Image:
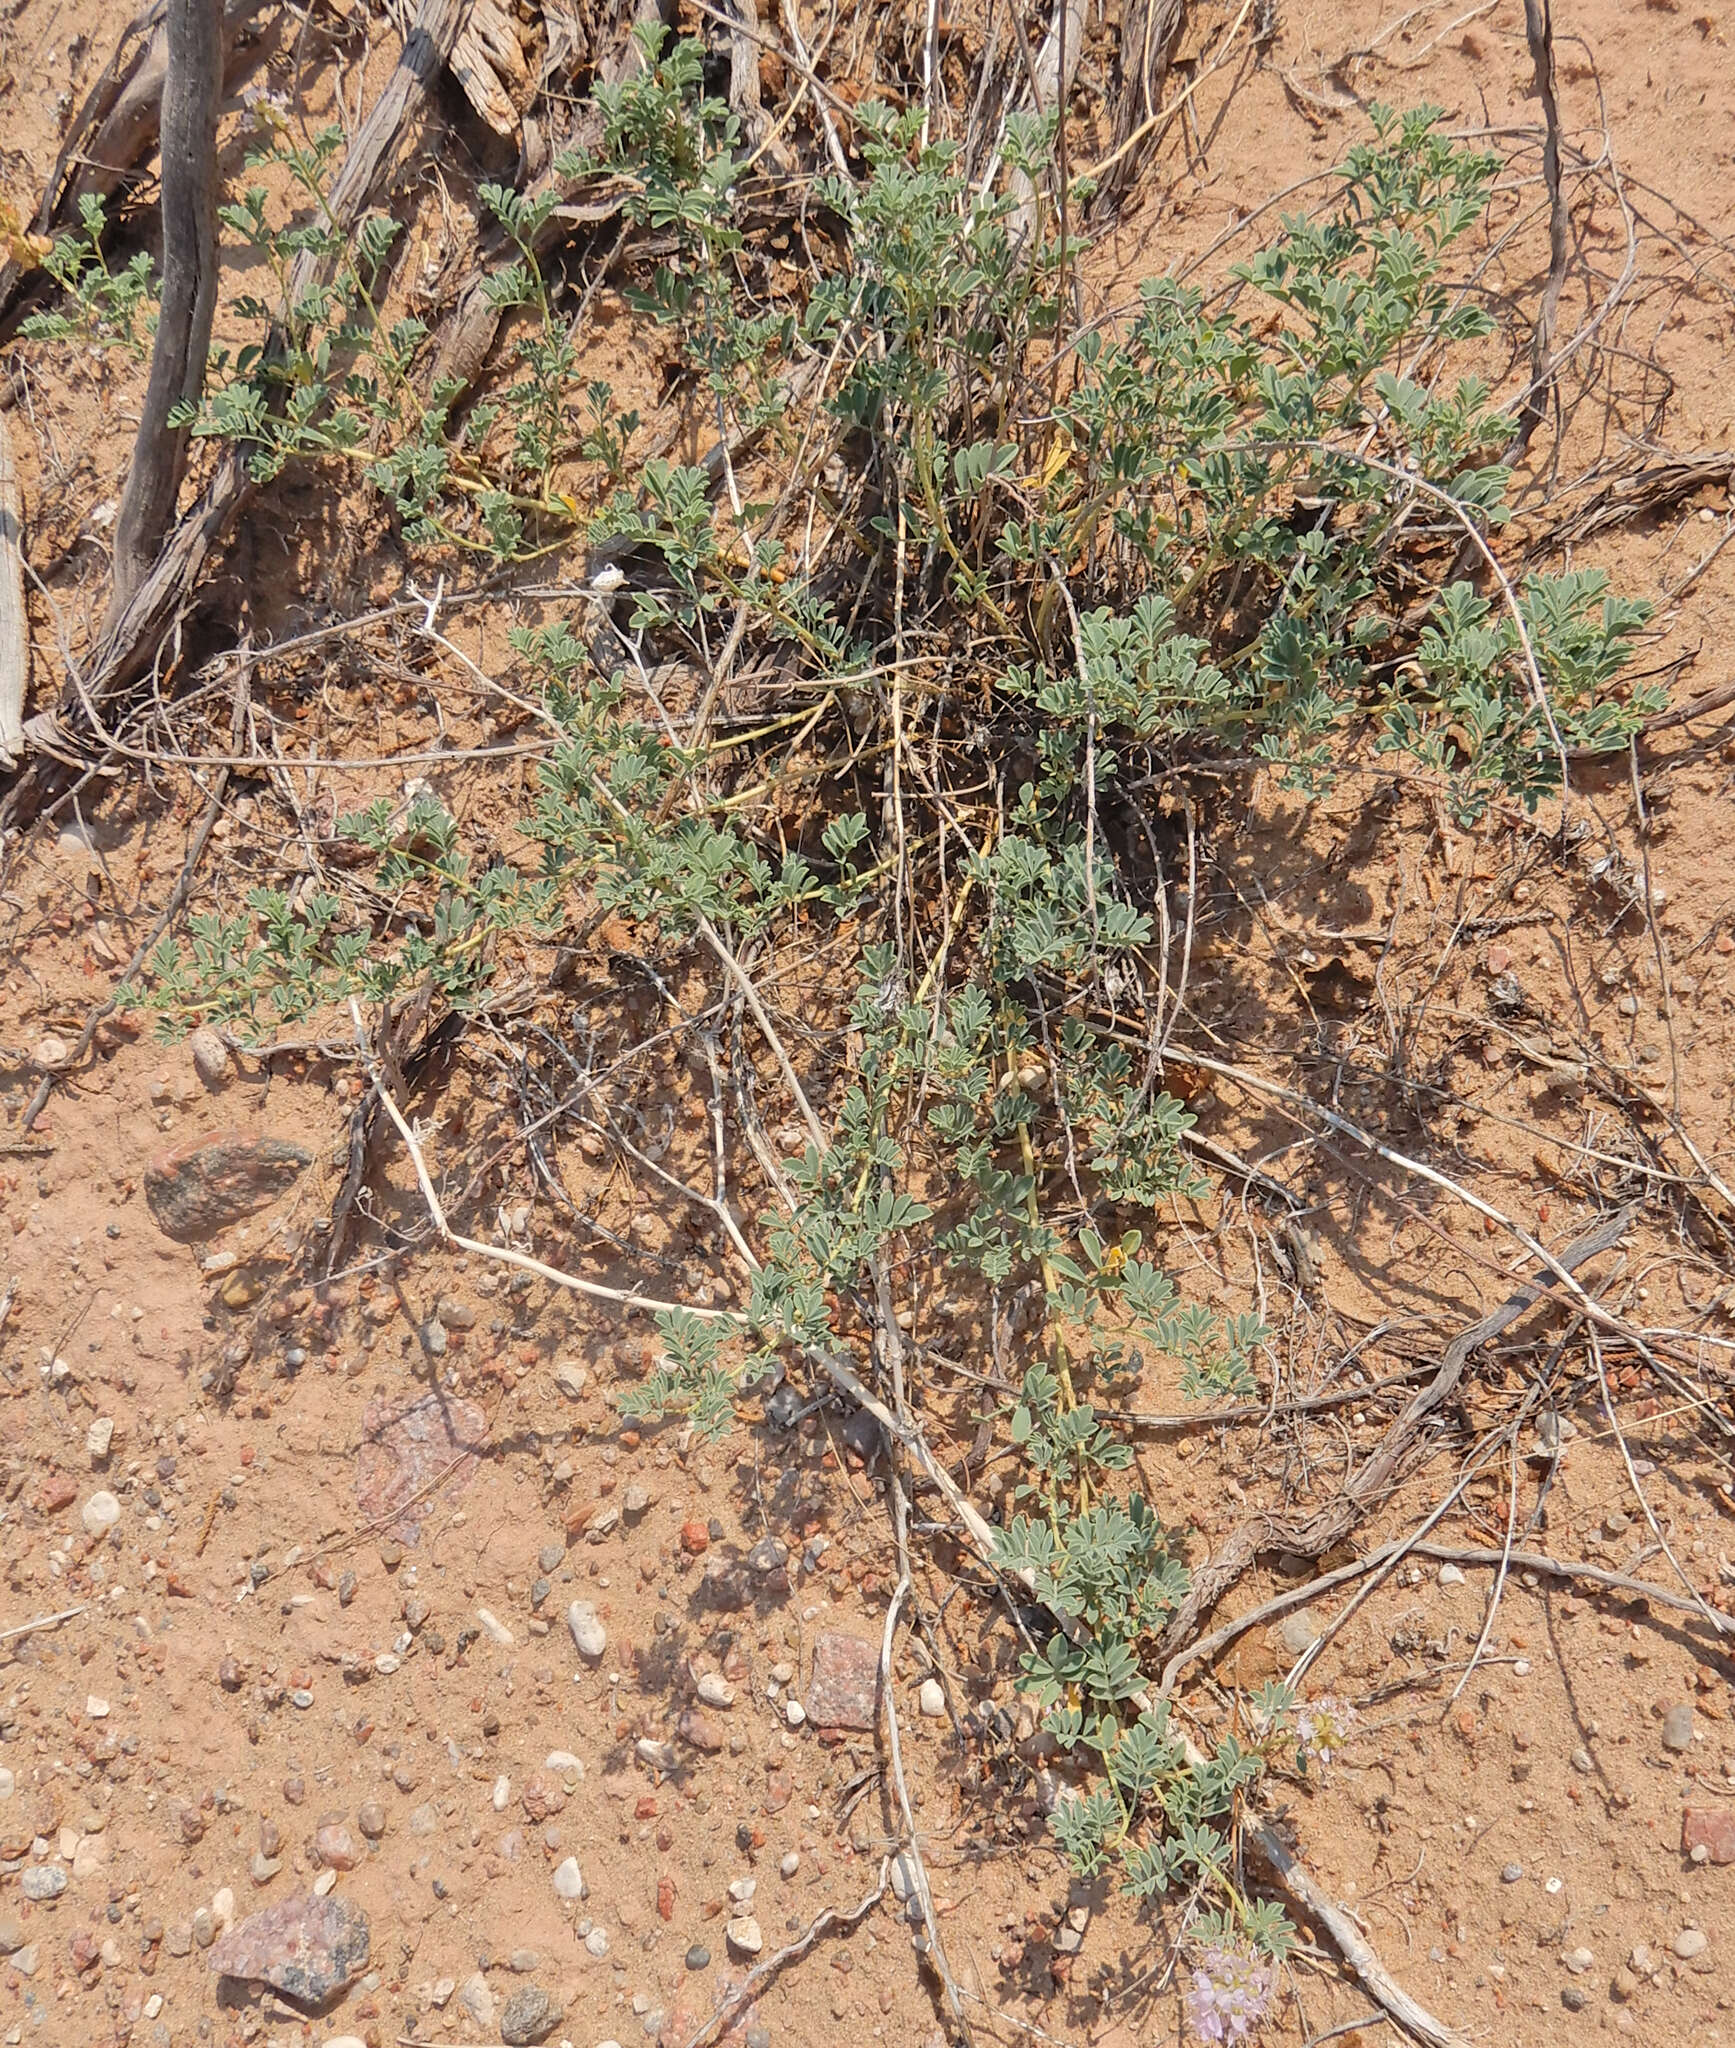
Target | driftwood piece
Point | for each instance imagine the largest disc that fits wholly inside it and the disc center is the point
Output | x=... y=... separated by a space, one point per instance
x=1147 y=43
x=1052 y=72
x=488 y=63
x=132 y=636
x=189 y=301
x=1644 y=493
x=474 y=321
x=14 y=633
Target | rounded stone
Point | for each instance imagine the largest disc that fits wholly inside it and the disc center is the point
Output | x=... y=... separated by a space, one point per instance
x=568 y=1879
x=589 y=1636
x=1690 y=1942
x=698 y=1957
x=99 y=1514
x=528 y=2015
x=1511 y=1873
x=210 y=1057
x=370 y=1817
x=932 y=1700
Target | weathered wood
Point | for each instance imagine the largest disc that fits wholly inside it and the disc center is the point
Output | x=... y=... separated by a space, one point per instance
x=14 y=631
x=132 y=636
x=1147 y=42
x=469 y=331
x=189 y=302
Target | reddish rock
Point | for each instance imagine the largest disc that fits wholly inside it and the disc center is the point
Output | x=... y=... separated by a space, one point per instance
x=307 y=1948
x=55 y=1494
x=701 y=1731
x=201 y=1185
x=695 y=1538
x=85 y=1950
x=414 y=1458
x=336 y=1848
x=844 y=1689
x=544 y=1795
x=1710 y=1827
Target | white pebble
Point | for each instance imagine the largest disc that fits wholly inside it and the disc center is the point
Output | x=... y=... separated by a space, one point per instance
x=563 y=1761
x=99 y=1514
x=715 y=1690
x=790 y=1864
x=745 y=1937
x=323 y=1883
x=932 y=1699
x=223 y=1905
x=96 y=1708
x=589 y=1636
x=502 y=1794
x=98 y=1437
x=495 y=1629
x=7 y=1783
x=1450 y=1575
x=569 y=1879
x=794 y=1713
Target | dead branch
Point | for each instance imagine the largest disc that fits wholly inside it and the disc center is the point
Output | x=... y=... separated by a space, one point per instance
x=189 y=300
x=14 y=627
x=831 y=1921
x=1149 y=29
x=1539 y=28
x=133 y=635
x=1330 y=1524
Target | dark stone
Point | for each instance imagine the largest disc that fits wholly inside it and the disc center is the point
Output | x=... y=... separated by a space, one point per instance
x=698 y=1957
x=203 y=1184
x=305 y=1947
x=528 y=2015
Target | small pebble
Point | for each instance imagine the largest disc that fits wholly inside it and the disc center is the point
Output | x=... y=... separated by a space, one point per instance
x=790 y=1864
x=495 y=1629
x=1690 y=1942
x=744 y=1936
x=589 y=1636
x=1511 y=1873
x=932 y=1700
x=1579 y=1960
x=99 y=1514
x=698 y=1957
x=1450 y=1575
x=210 y=1057
x=568 y=1880
x=1678 y=1728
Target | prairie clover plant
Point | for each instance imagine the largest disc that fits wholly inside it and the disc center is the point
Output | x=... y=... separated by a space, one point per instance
x=1057 y=565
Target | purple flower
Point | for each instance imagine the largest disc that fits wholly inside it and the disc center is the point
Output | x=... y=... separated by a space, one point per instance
x=1322 y=1727
x=1230 y=1996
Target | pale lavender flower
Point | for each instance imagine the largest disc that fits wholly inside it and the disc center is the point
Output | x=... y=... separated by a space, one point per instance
x=1322 y=1727
x=1230 y=1996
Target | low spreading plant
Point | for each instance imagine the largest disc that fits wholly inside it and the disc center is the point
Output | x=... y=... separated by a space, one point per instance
x=1046 y=570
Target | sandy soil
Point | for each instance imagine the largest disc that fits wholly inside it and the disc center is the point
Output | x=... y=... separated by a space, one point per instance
x=272 y=1667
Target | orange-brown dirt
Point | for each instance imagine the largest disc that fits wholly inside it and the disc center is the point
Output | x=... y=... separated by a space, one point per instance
x=254 y=1652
